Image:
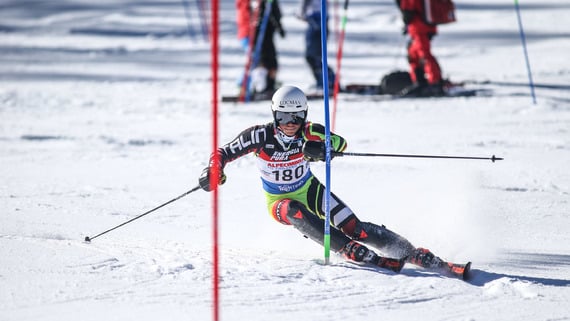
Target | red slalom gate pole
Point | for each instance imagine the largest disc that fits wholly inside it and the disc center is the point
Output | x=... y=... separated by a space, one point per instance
x=215 y=174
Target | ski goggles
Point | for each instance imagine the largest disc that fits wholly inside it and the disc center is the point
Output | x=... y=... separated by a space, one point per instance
x=284 y=118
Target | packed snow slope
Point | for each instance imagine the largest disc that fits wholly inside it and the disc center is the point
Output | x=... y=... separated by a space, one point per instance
x=105 y=113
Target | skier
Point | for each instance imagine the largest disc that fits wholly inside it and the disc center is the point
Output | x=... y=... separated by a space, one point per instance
x=265 y=73
x=284 y=148
x=425 y=71
x=311 y=14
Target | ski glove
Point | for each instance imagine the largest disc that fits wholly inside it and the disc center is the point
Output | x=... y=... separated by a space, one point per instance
x=204 y=179
x=314 y=151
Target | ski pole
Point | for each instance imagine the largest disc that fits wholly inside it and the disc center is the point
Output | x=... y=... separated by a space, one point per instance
x=88 y=239
x=492 y=158
x=191 y=31
x=523 y=40
x=203 y=19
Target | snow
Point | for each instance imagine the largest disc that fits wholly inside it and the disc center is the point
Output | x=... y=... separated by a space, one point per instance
x=105 y=114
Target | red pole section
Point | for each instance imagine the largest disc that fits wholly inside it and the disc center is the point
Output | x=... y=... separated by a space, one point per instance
x=215 y=174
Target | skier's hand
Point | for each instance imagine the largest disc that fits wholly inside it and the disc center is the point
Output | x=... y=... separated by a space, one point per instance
x=314 y=151
x=404 y=30
x=282 y=32
x=204 y=179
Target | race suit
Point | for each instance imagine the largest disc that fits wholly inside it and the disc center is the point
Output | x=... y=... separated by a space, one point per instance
x=296 y=197
x=285 y=173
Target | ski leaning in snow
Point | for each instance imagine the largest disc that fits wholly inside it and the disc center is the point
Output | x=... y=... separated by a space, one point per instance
x=265 y=97
x=426 y=259
x=376 y=90
x=461 y=271
x=423 y=258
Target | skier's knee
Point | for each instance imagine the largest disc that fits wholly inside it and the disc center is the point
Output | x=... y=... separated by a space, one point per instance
x=355 y=229
x=286 y=209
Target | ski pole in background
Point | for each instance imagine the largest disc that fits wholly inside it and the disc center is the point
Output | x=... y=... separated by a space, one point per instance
x=88 y=239
x=523 y=40
x=492 y=158
x=203 y=19
x=189 y=27
x=338 y=62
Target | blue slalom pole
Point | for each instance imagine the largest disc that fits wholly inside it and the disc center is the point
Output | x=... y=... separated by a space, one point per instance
x=523 y=40
x=324 y=69
x=258 y=43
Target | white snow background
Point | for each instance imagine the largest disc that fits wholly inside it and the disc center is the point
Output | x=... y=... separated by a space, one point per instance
x=105 y=113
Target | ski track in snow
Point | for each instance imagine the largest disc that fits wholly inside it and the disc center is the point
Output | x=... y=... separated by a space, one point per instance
x=104 y=114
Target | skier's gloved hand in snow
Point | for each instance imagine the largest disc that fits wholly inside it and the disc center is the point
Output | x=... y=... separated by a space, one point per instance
x=204 y=179
x=314 y=151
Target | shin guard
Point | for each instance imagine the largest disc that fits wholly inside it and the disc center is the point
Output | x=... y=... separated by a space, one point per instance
x=383 y=239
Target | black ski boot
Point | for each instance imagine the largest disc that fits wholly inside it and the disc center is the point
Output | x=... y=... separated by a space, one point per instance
x=359 y=253
x=426 y=259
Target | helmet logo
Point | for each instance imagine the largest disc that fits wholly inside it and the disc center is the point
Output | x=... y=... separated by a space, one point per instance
x=290 y=102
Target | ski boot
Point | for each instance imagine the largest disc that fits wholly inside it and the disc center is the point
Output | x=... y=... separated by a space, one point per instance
x=359 y=253
x=426 y=259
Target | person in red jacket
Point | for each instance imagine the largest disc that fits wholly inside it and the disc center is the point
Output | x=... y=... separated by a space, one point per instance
x=425 y=71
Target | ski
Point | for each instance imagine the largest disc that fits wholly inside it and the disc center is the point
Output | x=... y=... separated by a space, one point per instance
x=375 y=91
x=264 y=97
x=461 y=271
x=362 y=89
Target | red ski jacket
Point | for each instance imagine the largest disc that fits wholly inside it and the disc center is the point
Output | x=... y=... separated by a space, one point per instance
x=413 y=13
x=243 y=18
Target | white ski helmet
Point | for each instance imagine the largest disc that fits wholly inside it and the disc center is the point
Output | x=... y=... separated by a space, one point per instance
x=289 y=100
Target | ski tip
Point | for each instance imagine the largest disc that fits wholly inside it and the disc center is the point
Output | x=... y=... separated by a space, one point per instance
x=467 y=272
